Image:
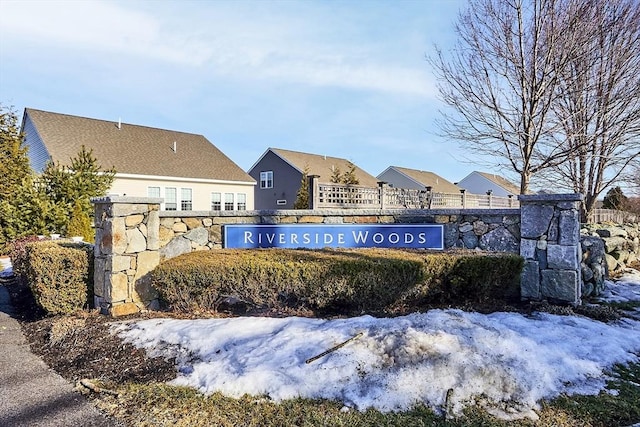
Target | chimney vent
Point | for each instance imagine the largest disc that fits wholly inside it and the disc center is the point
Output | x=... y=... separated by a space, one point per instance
x=119 y=123
x=175 y=146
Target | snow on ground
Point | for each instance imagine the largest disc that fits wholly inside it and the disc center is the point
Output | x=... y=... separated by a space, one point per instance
x=445 y=359
x=5 y=267
x=506 y=362
x=624 y=289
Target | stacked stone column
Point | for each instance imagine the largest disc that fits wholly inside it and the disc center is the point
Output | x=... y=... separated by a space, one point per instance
x=550 y=245
x=126 y=250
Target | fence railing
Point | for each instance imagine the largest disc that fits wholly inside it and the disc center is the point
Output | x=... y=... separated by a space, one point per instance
x=611 y=215
x=331 y=195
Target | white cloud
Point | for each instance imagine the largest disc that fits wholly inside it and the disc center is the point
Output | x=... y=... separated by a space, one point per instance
x=225 y=39
x=97 y=26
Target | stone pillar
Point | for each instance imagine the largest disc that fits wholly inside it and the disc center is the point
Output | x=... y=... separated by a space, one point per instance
x=550 y=245
x=126 y=250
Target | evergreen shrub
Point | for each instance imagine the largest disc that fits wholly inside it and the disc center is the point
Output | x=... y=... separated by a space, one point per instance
x=80 y=224
x=18 y=255
x=349 y=280
x=59 y=275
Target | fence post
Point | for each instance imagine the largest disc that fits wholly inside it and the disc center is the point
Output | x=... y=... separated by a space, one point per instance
x=464 y=198
x=489 y=193
x=314 y=196
x=381 y=193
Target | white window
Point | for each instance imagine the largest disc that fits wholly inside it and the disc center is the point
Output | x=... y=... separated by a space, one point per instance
x=153 y=191
x=242 y=201
x=186 y=199
x=228 y=201
x=266 y=179
x=170 y=199
x=216 y=201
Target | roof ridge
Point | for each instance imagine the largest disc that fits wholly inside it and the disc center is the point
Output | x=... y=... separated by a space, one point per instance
x=110 y=121
x=311 y=154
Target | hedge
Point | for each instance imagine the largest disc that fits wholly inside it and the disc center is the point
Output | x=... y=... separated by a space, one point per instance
x=361 y=280
x=59 y=275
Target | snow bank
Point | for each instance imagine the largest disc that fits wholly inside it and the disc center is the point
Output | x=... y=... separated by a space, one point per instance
x=624 y=289
x=445 y=359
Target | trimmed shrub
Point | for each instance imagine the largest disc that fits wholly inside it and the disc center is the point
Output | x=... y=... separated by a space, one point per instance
x=359 y=280
x=470 y=277
x=18 y=255
x=58 y=275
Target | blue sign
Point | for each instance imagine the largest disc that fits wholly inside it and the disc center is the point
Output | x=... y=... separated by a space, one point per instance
x=318 y=236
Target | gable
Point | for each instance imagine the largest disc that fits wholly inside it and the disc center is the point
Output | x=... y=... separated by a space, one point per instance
x=479 y=182
x=501 y=182
x=322 y=166
x=133 y=149
x=422 y=179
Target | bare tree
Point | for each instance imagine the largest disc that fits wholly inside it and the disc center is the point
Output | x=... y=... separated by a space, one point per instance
x=501 y=79
x=598 y=106
x=634 y=178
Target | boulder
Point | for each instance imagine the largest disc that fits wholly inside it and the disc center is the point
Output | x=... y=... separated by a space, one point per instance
x=612 y=232
x=198 y=235
x=614 y=243
x=500 y=240
x=175 y=247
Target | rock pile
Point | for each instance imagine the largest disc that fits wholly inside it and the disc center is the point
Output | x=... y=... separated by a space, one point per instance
x=606 y=249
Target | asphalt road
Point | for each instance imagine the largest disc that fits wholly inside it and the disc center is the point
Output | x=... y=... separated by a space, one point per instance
x=31 y=394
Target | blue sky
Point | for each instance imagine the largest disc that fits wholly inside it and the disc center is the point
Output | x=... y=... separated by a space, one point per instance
x=340 y=78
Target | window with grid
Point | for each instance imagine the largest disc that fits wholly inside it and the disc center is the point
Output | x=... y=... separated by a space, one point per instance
x=170 y=199
x=153 y=191
x=228 y=201
x=216 y=201
x=242 y=202
x=186 y=199
x=266 y=179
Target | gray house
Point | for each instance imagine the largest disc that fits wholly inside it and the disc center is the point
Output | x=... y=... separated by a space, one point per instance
x=279 y=175
x=483 y=182
x=398 y=177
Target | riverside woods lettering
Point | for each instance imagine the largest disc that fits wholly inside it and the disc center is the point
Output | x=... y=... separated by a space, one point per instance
x=318 y=236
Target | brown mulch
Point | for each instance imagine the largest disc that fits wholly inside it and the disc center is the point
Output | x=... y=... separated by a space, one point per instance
x=82 y=346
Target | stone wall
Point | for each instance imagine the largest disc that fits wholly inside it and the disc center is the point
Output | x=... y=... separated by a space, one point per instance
x=486 y=229
x=133 y=236
x=126 y=250
x=621 y=243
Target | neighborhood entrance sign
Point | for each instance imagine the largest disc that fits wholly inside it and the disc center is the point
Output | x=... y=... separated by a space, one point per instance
x=318 y=236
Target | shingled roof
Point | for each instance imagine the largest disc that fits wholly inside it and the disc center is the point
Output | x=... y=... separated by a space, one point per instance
x=428 y=179
x=133 y=149
x=501 y=181
x=322 y=166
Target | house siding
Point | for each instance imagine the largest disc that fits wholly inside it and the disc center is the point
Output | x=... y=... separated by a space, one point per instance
x=201 y=192
x=286 y=183
x=398 y=180
x=477 y=184
x=38 y=154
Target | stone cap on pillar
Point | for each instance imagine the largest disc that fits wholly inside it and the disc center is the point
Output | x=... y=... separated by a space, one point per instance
x=571 y=197
x=126 y=199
